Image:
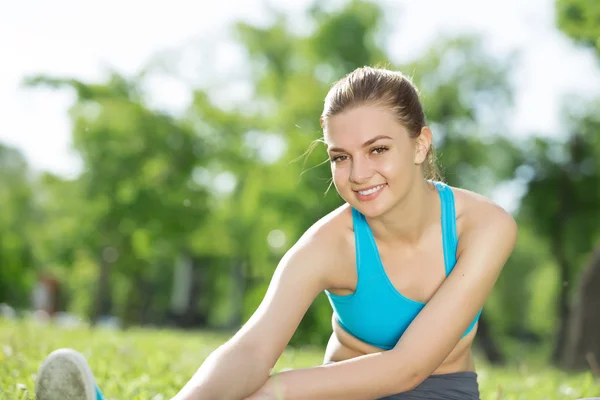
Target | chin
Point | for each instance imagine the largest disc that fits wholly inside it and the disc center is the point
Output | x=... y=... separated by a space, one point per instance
x=372 y=209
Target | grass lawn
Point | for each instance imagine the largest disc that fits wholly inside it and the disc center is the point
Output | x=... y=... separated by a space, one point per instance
x=154 y=364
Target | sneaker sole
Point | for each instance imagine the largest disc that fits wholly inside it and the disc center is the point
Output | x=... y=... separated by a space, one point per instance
x=65 y=375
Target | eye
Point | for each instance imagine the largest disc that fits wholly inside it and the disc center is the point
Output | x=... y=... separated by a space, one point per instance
x=379 y=150
x=338 y=158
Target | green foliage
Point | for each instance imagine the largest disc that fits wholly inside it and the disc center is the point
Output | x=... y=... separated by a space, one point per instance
x=16 y=222
x=561 y=201
x=580 y=19
x=136 y=201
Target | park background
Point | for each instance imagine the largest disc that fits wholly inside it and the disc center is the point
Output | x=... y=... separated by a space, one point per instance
x=153 y=171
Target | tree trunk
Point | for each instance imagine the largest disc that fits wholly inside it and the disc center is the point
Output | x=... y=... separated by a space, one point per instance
x=190 y=316
x=583 y=347
x=202 y=302
x=181 y=289
x=487 y=343
x=147 y=290
x=238 y=290
x=102 y=304
x=559 y=252
x=563 y=313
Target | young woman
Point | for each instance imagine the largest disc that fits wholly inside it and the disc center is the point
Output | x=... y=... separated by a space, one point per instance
x=407 y=263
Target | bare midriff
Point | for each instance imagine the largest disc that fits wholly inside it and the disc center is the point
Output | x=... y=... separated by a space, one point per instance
x=343 y=346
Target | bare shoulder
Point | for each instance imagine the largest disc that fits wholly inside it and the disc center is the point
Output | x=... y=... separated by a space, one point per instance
x=328 y=230
x=478 y=215
x=323 y=243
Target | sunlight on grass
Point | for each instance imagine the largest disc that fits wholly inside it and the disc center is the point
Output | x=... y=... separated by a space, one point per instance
x=154 y=364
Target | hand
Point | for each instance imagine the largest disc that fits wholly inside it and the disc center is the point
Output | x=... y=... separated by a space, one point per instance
x=271 y=390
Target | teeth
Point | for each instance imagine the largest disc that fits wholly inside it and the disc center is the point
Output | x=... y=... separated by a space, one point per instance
x=373 y=190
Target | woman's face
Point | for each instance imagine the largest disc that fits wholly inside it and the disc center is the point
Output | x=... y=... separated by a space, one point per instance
x=374 y=162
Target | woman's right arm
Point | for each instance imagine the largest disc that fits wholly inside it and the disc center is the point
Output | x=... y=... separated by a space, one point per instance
x=242 y=365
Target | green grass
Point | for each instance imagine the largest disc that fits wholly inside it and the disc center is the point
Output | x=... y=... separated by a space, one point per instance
x=154 y=364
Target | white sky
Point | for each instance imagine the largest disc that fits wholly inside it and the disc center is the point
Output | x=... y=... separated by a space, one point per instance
x=75 y=38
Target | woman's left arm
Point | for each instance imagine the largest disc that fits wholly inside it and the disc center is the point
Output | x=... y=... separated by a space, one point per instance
x=487 y=241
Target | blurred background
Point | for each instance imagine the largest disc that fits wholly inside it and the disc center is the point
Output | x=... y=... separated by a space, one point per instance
x=152 y=168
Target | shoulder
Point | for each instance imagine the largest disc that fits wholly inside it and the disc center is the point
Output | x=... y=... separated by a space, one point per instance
x=329 y=230
x=481 y=220
x=323 y=245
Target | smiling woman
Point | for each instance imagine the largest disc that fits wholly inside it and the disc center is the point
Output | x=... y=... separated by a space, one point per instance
x=407 y=264
x=337 y=156
x=374 y=124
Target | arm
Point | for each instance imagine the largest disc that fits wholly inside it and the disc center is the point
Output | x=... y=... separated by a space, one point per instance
x=486 y=244
x=242 y=365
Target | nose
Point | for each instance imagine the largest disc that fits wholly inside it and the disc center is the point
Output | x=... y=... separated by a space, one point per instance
x=360 y=170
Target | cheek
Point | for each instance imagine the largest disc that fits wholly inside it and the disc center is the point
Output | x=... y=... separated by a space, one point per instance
x=339 y=176
x=392 y=166
x=397 y=169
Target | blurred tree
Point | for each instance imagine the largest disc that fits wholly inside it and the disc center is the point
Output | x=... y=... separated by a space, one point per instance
x=574 y=172
x=16 y=221
x=580 y=20
x=137 y=186
x=62 y=227
x=235 y=173
x=582 y=350
x=561 y=203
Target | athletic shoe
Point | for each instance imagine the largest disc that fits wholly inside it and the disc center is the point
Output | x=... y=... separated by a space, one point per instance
x=66 y=375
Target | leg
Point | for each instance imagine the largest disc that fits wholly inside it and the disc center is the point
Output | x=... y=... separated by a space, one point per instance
x=66 y=375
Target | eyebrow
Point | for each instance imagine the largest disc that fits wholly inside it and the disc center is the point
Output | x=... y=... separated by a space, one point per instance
x=365 y=144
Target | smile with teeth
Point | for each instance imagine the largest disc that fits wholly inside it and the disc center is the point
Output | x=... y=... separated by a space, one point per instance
x=371 y=191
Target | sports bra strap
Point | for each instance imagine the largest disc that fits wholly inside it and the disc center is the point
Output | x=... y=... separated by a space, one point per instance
x=365 y=248
x=449 y=235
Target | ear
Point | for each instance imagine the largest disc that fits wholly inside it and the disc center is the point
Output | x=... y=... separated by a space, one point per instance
x=422 y=145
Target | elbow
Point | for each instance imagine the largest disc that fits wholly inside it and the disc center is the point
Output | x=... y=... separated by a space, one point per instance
x=415 y=380
x=406 y=380
x=401 y=374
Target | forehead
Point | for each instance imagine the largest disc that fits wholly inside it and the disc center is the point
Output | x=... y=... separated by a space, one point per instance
x=353 y=127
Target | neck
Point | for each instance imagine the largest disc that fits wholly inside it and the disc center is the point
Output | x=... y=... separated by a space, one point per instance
x=410 y=218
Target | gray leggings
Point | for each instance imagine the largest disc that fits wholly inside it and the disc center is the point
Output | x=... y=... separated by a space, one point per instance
x=453 y=386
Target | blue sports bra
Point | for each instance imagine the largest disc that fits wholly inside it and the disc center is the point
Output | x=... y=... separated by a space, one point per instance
x=376 y=313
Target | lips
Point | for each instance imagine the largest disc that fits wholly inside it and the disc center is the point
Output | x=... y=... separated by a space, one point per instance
x=369 y=193
x=370 y=189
